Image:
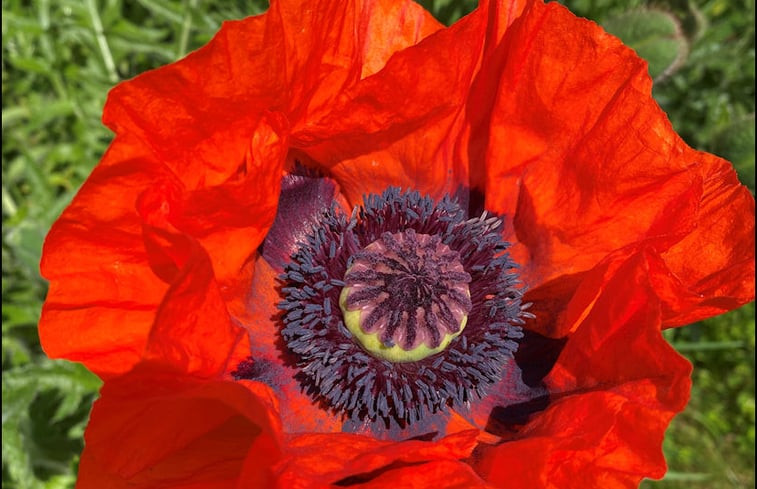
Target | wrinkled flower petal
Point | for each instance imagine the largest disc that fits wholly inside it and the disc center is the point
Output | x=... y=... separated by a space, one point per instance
x=355 y=460
x=615 y=387
x=157 y=284
x=205 y=428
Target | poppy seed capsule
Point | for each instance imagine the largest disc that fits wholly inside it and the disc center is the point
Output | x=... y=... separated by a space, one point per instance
x=406 y=297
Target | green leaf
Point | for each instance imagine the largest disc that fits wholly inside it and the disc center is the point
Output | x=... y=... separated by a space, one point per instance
x=34 y=65
x=44 y=404
x=683 y=346
x=655 y=36
x=687 y=476
x=15 y=351
x=163 y=8
x=16 y=450
x=735 y=142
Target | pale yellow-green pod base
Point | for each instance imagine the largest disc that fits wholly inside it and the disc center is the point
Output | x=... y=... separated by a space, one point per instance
x=373 y=345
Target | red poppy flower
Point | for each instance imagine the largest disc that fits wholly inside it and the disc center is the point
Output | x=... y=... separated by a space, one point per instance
x=203 y=267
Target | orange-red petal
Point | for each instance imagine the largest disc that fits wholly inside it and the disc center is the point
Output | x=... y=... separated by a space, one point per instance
x=615 y=387
x=108 y=273
x=103 y=295
x=295 y=60
x=713 y=265
x=212 y=128
x=586 y=163
x=367 y=462
x=620 y=227
x=399 y=126
x=154 y=428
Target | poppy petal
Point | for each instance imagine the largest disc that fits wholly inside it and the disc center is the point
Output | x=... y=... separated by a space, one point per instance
x=720 y=277
x=396 y=128
x=336 y=44
x=302 y=202
x=206 y=430
x=196 y=114
x=597 y=164
x=508 y=402
x=102 y=265
x=356 y=459
x=241 y=209
x=575 y=122
x=606 y=419
x=201 y=108
x=103 y=295
x=430 y=475
x=192 y=329
x=391 y=27
x=201 y=118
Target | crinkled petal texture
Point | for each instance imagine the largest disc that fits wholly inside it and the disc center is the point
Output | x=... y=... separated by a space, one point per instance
x=614 y=389
x=207 y=138
x=585 y=161
x=621 y=230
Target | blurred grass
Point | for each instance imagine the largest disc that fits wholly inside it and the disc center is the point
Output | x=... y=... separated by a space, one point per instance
x=59 y=60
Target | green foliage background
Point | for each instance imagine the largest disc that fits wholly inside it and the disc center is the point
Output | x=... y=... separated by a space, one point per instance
x=60 y=58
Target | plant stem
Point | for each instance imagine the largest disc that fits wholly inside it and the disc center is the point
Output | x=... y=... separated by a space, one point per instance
x=186 y=26
x=102 y=42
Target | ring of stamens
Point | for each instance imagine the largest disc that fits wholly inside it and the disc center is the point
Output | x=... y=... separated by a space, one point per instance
x=333 y=364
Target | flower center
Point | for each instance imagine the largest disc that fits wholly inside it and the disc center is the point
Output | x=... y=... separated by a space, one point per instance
x=429 y=309
x=406 y=296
